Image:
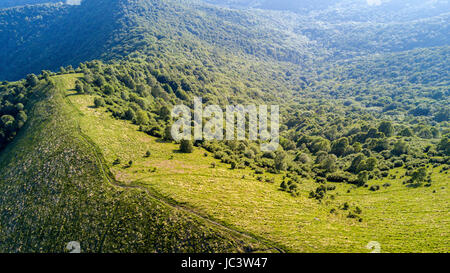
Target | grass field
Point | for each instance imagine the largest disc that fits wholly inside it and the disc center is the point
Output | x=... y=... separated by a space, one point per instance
x=401 y=219
x=56 y=189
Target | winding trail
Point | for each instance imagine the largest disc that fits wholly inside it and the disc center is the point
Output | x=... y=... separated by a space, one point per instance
x=109 y=177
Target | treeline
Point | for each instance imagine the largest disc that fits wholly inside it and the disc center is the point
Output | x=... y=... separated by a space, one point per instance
x=14 y=98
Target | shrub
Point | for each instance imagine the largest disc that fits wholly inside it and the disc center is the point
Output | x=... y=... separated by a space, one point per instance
x=99 y=102
x=363 y=178
x=186 y=146
x=338 y=177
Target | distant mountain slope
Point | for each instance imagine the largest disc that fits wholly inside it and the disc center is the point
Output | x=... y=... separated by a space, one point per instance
x=16 y=3
x=111 y=29
x=47 y=37
x=348 y=10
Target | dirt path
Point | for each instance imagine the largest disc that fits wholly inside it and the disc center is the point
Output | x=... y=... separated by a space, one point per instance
x=110 y=179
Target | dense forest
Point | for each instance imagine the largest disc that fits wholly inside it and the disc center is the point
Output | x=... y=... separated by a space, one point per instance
x=17 y=3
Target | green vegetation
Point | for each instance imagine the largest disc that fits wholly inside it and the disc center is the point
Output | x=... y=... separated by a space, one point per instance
x=365 y=127
x=57 y=189
x=345 y=220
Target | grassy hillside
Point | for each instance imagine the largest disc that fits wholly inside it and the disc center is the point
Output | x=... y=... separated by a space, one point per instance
x=56 y=189
x=402 y=219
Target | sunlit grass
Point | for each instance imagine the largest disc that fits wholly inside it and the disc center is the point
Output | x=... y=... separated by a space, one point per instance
x=401 y=219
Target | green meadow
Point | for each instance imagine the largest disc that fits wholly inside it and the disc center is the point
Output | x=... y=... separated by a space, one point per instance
x=399 y=218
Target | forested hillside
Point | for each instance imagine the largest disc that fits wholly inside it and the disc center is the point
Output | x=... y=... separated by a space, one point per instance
x=363 y=93
x=38 y=38
x=17 y=3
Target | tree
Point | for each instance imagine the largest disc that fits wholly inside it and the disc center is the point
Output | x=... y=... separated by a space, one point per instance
x=329 y=164
x=186 y=146
x=158 y=92
x=303 y=158
x=164 y=113
x=142 y=117
x=386 y=128
x=319 y=144
x=406 y=132
x=99 y=80
x=79 y=87
x=130 y=114
x=32 y=80
x=444 y=145
x=280 y=161
x=339 y=146
x=363 y=178
x=99 y=102
x=108 y=89
x=400 y=148
x=371 y=164
x=356 y=163
x=8 y=123
x=168 y=133
x=379 y=145
x=419 y=175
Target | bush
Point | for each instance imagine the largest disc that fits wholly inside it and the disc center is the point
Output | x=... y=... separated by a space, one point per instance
x=99 y=102
x=186 y=146
x=259 y=171
x=319 y=193
x=338 y=178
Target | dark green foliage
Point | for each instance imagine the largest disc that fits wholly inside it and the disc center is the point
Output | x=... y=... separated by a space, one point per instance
x=444 y=145
x=339 y=147
x=32 y=80
x=319 y=193
x=419 y=176
x=99 y=102
x=280 y=163
x=186 y=146
x=13 y=113
x=79 y=87
x=142 y=117
x=386 y=128
x=363 y=178
x=167 y=64
x=400 y=148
